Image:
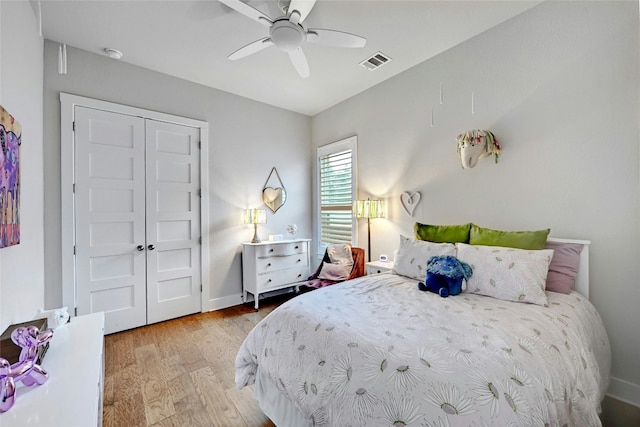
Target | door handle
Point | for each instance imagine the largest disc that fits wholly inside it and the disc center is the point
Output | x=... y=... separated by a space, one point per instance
x=151 y=247
x=140 y=247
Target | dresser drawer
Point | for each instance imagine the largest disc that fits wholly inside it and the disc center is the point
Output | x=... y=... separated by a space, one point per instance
x=279 y=278
x=275 y=263
x=281 y=249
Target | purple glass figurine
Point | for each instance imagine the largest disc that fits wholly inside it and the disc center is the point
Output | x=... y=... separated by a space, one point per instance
x=26 y=369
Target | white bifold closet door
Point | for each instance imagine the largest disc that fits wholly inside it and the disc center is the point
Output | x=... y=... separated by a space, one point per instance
x=137 y=216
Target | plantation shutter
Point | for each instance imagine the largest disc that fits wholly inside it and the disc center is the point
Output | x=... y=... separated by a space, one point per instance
x=336 y=197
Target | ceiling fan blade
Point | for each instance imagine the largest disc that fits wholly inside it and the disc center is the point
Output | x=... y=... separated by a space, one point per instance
x=302 y=6
x=334 y=38
x=300 y=63
x=248 y=11
x=251 y=48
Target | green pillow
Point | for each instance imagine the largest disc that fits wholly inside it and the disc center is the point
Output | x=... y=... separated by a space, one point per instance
x=442 y=233
x=508 y=239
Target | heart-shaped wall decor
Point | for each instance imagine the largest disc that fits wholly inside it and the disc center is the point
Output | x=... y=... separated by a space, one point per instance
x=409 y=201
x=274 y=195
x=271 y=194
x=274 y=198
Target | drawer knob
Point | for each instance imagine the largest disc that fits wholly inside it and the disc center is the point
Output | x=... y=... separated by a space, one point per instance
x=297 y=247
x=299 y=275
x=271 y=250
x=269 y=281
x=269 y=265
x=299 y=260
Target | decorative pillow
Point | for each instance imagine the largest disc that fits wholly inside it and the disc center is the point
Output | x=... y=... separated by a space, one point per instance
x=340 y=253
x=563 y=269
x=341 y=263
x=336 y=272
x=507 y=273
x=413 y=256
x=508 y=239
x=442 y=233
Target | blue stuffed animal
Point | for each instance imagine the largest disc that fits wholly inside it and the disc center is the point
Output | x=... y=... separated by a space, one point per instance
x=444 y=275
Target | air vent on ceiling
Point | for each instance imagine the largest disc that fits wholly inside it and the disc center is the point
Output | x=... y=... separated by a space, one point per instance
x=376 y=61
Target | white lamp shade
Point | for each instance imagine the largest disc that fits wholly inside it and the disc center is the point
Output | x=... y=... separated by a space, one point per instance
x=255 y=216
x=369 y=209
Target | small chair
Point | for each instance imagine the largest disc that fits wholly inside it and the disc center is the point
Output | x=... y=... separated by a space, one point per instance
x=313 y=282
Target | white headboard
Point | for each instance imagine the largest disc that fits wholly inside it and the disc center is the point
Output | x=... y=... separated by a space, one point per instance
x=582 y=280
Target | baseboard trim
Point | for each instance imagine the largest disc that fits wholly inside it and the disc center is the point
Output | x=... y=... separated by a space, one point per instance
x=223 y=302
x=624 y=391
x=231 y=300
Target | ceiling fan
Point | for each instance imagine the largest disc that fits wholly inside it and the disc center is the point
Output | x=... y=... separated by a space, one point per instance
x=287 y=33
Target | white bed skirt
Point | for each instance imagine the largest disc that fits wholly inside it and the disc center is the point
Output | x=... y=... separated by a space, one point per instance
x=278 y=408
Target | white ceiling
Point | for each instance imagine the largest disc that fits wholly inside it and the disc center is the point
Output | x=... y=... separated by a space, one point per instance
x=191 y=40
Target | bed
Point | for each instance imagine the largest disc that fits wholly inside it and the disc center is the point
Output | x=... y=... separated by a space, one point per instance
x=376 y=351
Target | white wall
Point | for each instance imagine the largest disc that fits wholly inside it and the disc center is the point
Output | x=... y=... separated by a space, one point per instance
x=22 y=266
x=559 y=87
x=246 y=140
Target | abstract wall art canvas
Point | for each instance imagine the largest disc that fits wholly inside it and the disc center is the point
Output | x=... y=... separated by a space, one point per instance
x=10 y=141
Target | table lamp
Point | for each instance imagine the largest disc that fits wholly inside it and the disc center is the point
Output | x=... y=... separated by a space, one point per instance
x=255 y=217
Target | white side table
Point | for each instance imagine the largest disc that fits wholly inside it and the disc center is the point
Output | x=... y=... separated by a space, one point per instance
x=375 y=267
x=72 y=396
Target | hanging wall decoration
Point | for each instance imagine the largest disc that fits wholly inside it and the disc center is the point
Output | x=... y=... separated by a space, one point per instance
x=474 y=145
x=10 y=141
x=274 y=194
x=409 y=201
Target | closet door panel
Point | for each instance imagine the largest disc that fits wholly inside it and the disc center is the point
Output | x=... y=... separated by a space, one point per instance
x=110 y=217
x=173 y=220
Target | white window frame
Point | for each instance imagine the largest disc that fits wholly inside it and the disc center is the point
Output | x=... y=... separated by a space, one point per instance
x=350 y=143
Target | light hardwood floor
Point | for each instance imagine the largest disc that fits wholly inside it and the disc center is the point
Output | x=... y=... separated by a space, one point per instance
x=180 y=373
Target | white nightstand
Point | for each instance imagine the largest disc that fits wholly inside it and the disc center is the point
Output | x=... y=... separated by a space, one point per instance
x=375 y=267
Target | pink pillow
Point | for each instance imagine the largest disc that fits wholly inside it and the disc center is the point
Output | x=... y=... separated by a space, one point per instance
x=564 y=266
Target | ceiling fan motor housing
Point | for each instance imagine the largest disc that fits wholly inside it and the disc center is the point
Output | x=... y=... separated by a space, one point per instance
x=286 y=35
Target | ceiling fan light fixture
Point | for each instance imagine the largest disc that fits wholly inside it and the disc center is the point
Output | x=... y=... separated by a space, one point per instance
x=286 y=35
x=113 y=53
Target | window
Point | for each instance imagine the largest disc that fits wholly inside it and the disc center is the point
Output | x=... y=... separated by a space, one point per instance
x=336 y=192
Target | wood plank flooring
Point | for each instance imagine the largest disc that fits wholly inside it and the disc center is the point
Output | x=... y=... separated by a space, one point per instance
x=181 y=372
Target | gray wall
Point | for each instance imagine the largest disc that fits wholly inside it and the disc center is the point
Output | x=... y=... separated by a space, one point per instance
x=558 y=85
x=246 y=140
x=22 y=266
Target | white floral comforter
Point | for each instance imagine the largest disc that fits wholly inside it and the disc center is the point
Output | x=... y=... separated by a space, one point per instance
x=375 y=351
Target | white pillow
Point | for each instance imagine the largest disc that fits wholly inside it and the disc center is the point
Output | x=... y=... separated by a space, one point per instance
x=507 y=273
x=413 y=256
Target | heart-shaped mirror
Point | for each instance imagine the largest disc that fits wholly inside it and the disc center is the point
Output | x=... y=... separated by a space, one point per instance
x=274 y=195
